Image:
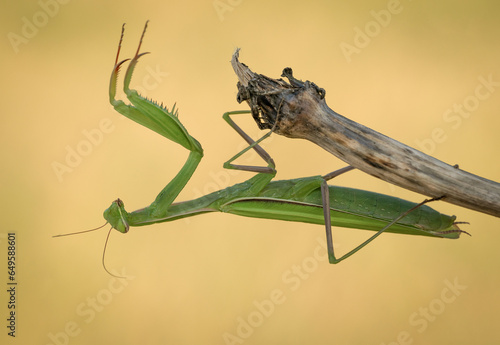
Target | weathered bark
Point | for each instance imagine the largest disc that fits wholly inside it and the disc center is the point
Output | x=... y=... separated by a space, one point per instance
x=298 y=109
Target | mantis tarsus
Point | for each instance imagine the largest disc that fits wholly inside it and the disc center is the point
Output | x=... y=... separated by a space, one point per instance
x=308 y=199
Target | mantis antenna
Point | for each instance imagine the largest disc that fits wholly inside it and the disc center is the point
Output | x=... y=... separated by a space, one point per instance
x=105 y=245
x=82 y=232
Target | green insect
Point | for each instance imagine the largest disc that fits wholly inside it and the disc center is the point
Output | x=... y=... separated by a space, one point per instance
x=308 y=199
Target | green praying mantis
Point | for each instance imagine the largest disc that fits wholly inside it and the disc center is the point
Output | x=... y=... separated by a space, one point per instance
x=308 y=200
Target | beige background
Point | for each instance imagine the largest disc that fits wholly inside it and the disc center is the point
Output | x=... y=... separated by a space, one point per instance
x=197 y=280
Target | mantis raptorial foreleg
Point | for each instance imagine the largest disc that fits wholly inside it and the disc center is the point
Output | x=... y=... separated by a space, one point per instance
x=162 y=121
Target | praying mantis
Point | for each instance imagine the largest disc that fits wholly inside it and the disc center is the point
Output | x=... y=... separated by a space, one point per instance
x=308 y=199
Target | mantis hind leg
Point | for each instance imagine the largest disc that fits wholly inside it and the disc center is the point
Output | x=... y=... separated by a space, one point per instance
x=325 y=193
x=325 y=196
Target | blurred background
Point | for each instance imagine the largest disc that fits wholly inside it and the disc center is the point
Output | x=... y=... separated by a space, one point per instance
x=422 y=72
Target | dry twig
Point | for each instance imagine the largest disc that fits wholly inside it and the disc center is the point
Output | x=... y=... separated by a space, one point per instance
x=298 y=109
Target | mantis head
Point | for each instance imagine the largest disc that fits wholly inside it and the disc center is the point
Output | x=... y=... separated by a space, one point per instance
x=117 y=216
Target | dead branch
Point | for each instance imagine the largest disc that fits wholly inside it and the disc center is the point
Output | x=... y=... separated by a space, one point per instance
x=298 y=109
